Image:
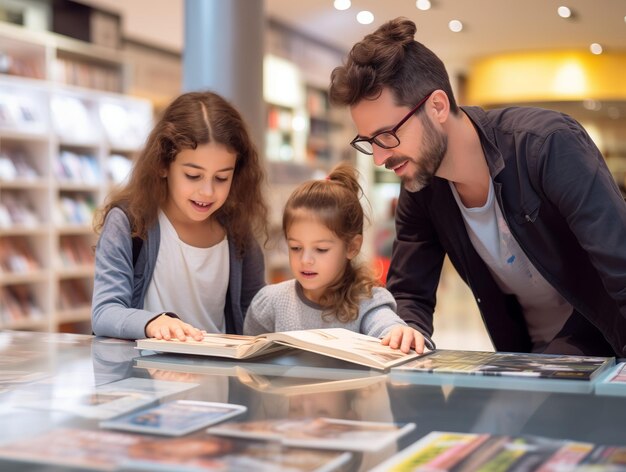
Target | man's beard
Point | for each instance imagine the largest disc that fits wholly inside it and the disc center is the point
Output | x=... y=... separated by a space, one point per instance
x=434 y=147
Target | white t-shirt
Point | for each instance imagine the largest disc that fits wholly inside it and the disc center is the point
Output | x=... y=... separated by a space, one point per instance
x=189 y=281
x=545 y=310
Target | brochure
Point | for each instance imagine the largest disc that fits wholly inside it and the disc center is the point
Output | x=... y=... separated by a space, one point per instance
x=175 y=418
x=324 y=433
x=333 y=342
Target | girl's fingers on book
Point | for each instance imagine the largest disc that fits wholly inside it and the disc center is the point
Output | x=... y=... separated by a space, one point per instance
x=195 y=333
x=418 y=343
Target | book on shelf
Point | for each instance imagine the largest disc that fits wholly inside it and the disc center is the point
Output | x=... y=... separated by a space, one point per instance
x=473 y=451
x=175 y=418
x=17 y=256
x=613 y=382
x=320 y=433
x=333 y=342
x=508 y=364
x=19 y=304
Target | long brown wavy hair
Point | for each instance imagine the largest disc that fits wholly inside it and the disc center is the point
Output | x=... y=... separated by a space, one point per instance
x=194 y=119
x=336 y=203
x=391 y=58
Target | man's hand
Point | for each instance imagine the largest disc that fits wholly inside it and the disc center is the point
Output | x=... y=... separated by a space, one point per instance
x=404 y=338
x=167 y=327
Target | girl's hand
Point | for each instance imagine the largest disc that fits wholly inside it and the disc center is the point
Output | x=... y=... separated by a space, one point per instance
x=404 y=338
x=167 y=327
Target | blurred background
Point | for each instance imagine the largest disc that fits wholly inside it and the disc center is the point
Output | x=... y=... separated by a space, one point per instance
x=81 y=82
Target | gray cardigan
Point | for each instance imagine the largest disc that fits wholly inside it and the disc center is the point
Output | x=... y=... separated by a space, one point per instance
x=283 y=307
x=119 y=288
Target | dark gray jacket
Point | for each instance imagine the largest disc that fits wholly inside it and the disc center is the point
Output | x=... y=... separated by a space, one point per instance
x=120 y=288
x=565 y=211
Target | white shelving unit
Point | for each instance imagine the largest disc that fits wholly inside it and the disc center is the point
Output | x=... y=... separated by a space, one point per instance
x=62 y=148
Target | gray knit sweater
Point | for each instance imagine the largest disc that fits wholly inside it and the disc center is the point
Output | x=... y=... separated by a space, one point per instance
x=283 y=307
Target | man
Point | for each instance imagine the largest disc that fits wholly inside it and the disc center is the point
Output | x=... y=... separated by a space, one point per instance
x=520 y=199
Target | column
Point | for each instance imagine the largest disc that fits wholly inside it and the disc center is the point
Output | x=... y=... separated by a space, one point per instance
x=223 y=52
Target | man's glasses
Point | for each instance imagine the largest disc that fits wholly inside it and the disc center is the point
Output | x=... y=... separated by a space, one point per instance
x=386 y=139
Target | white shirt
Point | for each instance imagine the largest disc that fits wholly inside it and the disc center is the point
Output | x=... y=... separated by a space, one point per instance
x=545 y=310
x=189 y=281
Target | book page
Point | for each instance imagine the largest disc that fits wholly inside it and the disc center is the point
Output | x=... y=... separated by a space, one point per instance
x=344 y=344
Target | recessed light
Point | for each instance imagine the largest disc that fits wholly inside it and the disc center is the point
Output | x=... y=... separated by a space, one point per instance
x=595 y=48
x=455 y=26
x=342 y=4
x=564 y=12
x=423 y=5
x=365 y=17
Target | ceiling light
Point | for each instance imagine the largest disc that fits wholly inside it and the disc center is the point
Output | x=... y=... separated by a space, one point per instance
x=423 y=5
x=365 y=17
x=342 y=4
x=455 y=26
x=564 y=12
x=595 y=48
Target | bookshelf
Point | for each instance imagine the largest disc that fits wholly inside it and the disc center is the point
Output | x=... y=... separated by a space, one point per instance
x=62 y=149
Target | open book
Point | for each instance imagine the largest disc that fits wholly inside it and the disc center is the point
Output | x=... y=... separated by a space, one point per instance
x=333 y=342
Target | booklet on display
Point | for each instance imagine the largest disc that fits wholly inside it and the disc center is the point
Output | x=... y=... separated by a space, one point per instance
x=175 y=418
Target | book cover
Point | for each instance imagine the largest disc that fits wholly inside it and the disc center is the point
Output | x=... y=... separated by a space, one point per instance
x=110 y=450
x=333 y=342
x=324 y=433
x=175 y=418
x=613 y=382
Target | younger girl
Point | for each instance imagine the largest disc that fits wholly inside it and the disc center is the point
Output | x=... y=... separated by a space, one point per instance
x=323 y=225
x=175 y=253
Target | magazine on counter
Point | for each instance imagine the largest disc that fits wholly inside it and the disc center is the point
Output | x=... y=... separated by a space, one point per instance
x=614 y=382
x=175 y=418
x=513 y=364
x=339 y=343
x=111 y=450
x=324 y=433
x=472 y=451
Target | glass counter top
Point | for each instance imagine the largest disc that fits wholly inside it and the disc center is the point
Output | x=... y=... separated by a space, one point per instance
x=56 y=389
